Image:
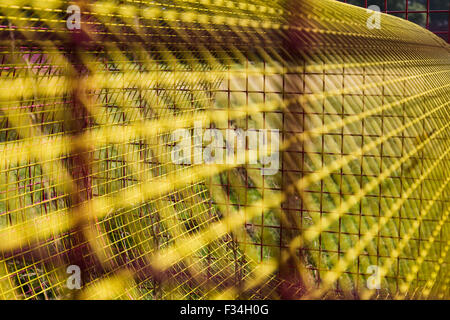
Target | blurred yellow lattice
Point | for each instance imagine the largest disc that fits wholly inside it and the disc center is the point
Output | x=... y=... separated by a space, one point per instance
x=350 y=200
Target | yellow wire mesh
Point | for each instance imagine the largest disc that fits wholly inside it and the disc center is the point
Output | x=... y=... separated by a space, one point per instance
x=87 y=169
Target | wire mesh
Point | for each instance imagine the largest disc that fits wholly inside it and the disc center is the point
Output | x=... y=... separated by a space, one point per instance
x=89 y=178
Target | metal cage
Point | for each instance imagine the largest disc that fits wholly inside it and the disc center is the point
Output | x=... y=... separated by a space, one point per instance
x=112 y=132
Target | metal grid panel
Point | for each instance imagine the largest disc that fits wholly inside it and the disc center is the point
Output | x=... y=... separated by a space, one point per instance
x=88 y=177
x=400 y=175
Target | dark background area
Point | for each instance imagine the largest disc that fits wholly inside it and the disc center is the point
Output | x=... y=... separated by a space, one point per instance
x=431 y=14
